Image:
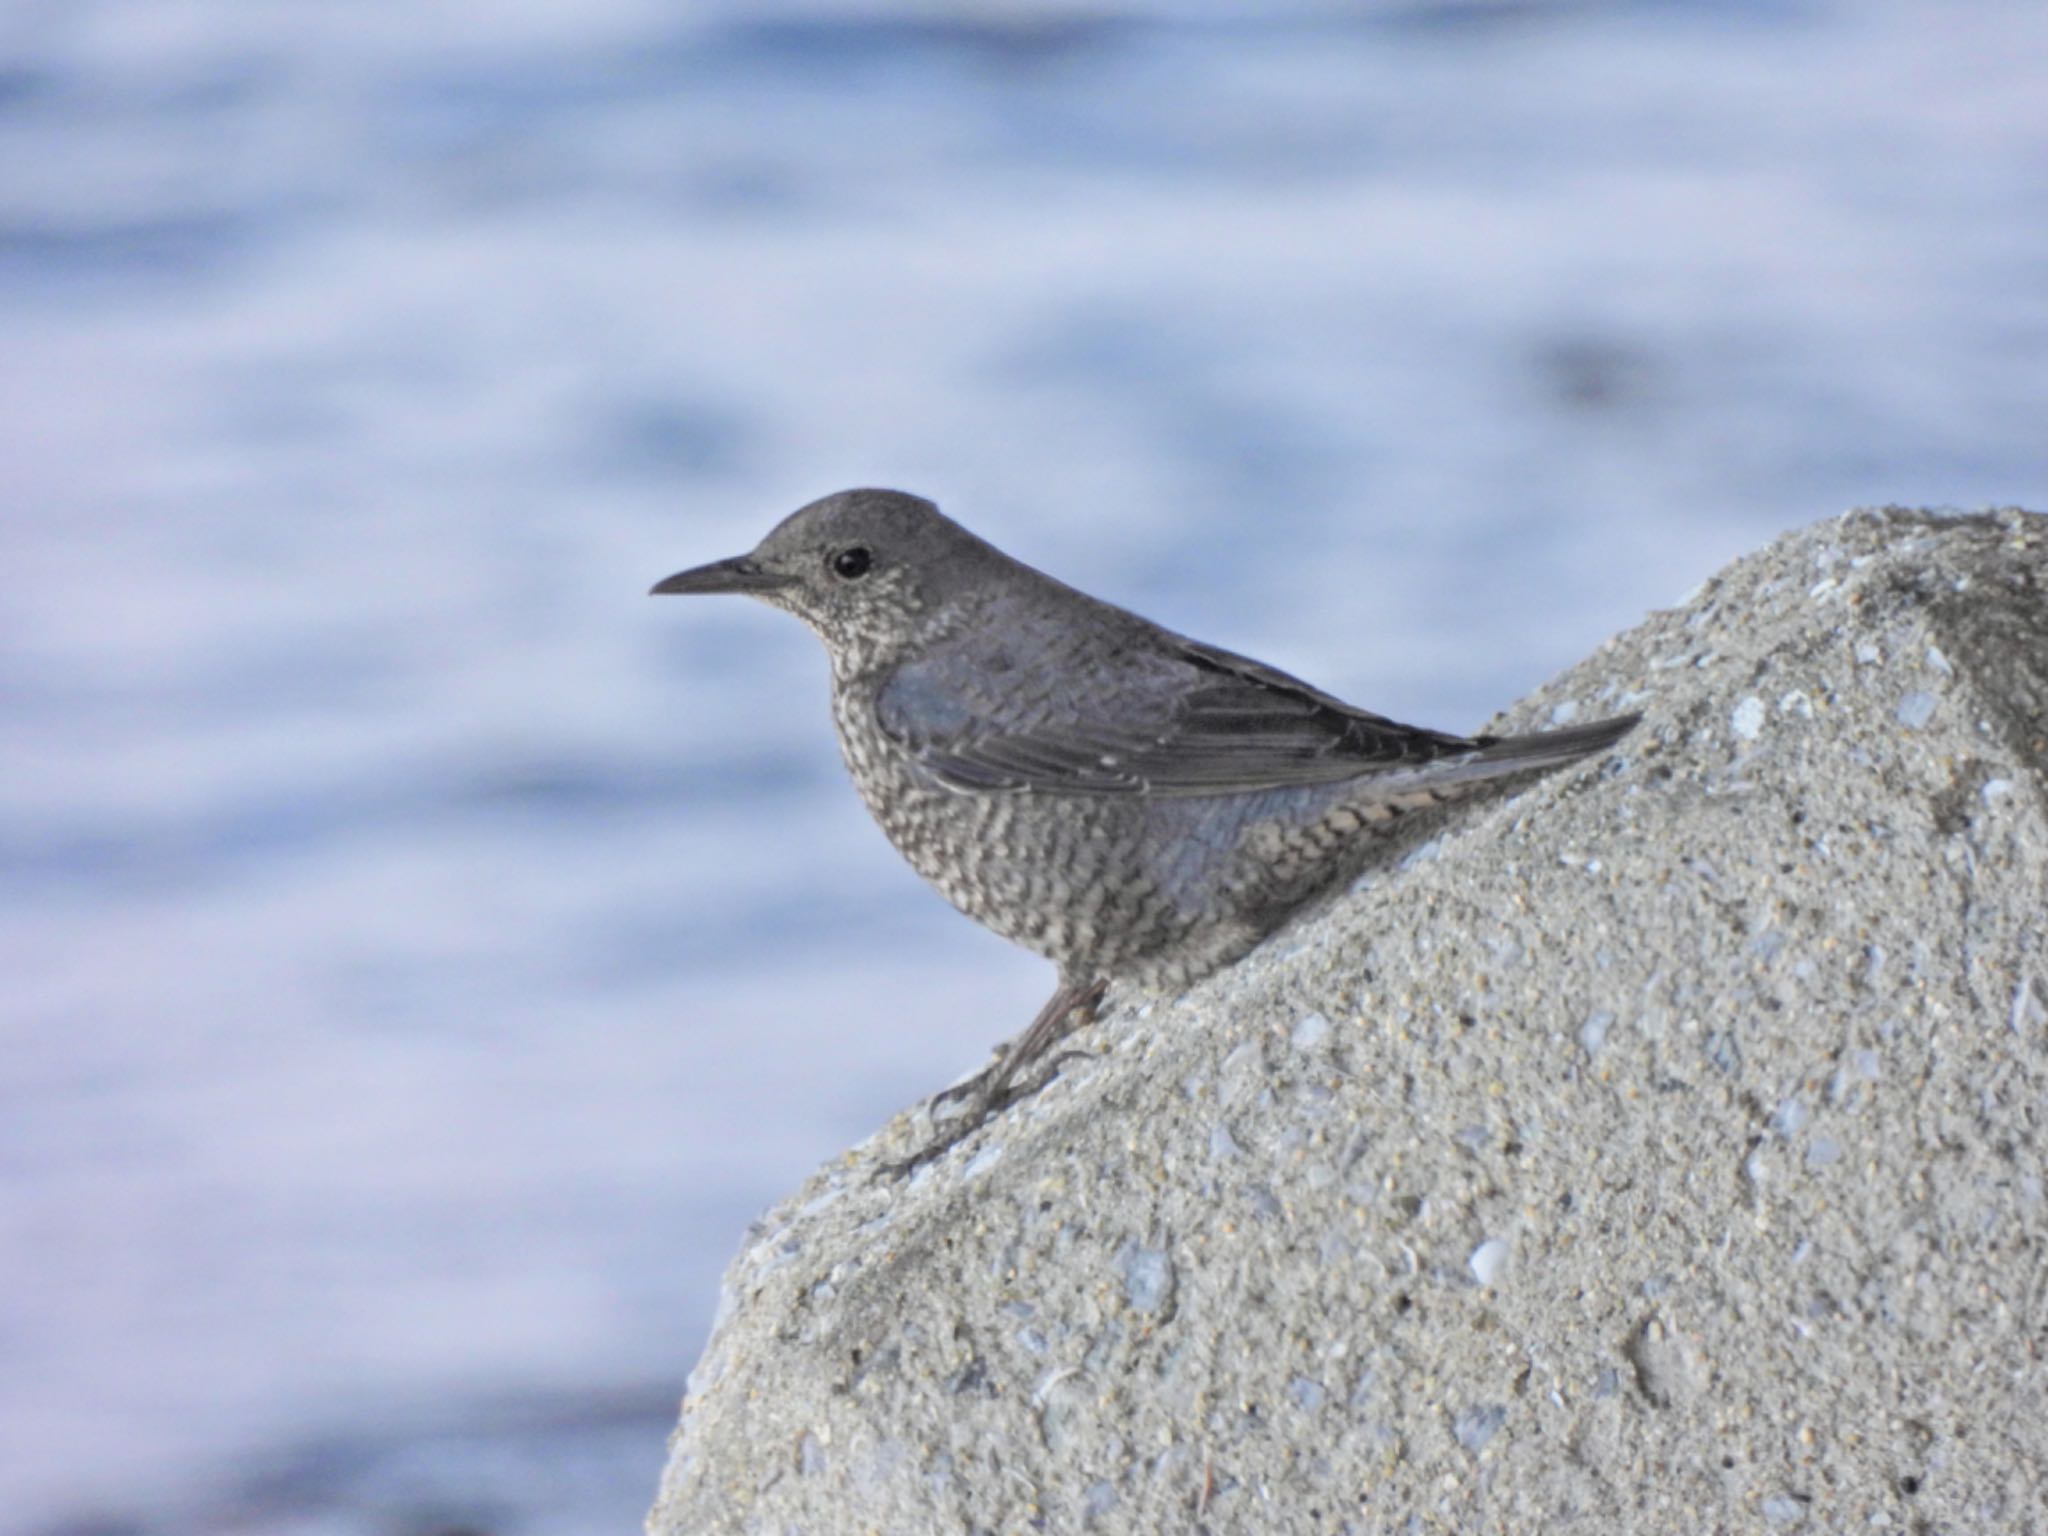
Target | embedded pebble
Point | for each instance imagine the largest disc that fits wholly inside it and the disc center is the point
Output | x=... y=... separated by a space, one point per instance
x=1310 y=1031
x=2024 y=1007
x=1148 y=1278
x=1915 y=710
x=1784 y=1509
x=1478 y=1424
x=1748 y=718
x=810 y=1455
x=1243 y=1074
x=1489 y=1260
x=983 y=1160
x=1306 y=1394
x=1423 y=854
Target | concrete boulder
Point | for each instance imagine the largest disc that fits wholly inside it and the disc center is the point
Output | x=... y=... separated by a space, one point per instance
x=1657 y=1150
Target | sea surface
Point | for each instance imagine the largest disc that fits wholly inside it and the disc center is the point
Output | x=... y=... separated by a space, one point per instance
x=423 y=953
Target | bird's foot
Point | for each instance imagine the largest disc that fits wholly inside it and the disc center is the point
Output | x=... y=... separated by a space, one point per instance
x=968 y=1088
x=958 y=1127
x=995 y=1088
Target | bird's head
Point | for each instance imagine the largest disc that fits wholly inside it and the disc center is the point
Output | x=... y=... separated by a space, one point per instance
x=868 y=570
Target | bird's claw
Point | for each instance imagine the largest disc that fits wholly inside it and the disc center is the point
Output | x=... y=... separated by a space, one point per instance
x=987 y=1106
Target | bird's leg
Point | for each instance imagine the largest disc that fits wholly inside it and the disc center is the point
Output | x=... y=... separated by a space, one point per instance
x=995 y=1089
x=1070 y=1008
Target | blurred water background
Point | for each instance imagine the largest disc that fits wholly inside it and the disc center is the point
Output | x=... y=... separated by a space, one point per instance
x=424 y=953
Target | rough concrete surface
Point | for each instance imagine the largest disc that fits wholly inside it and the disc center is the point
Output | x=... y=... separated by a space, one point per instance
x=1659 y=1150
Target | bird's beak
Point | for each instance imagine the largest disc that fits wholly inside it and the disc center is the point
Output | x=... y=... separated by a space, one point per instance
x=739 y=574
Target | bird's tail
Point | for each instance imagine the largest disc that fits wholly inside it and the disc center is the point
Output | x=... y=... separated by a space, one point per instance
x=1550 y=749
x=1498 y=757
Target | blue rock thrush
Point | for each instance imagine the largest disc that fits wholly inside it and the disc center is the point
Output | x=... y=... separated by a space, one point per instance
x=1135 y=806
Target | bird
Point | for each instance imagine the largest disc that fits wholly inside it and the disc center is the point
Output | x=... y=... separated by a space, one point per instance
x=1137 y=807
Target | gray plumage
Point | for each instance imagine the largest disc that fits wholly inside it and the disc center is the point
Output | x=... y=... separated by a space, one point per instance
x=1131 y=804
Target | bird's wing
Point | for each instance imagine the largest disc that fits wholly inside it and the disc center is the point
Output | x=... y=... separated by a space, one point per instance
x=1179 y=719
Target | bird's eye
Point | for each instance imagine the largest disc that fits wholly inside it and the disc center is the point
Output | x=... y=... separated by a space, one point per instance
x=852 y=563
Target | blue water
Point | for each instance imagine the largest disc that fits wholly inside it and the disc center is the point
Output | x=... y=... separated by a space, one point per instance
x=424 y=952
